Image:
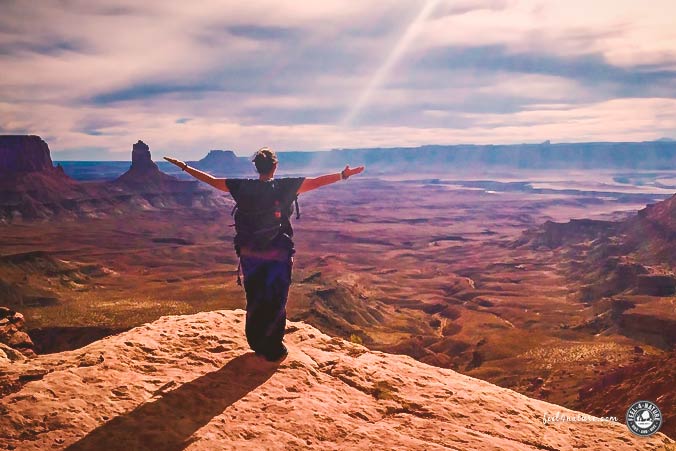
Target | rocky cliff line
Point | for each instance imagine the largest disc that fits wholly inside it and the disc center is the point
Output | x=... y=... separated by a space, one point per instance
x=190 y=382
x=19 y=153
x=32 y=189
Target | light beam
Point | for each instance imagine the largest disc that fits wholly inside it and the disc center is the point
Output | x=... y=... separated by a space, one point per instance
x=393 y=57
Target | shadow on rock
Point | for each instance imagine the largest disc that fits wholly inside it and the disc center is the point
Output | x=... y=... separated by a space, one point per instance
x=168 y=422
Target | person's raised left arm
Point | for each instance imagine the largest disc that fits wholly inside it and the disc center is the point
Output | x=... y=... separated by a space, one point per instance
x=316 y=182
x=218 y=183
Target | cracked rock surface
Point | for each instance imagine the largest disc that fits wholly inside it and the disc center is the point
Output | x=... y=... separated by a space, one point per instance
x=190 y=382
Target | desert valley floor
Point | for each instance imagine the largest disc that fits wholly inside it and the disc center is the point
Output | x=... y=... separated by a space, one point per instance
x=441 y=269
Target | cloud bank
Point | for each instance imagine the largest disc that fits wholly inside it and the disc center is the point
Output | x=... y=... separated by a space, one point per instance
x=186 y=77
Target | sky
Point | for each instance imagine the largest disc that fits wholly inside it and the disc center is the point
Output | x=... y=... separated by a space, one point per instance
x=93 y=77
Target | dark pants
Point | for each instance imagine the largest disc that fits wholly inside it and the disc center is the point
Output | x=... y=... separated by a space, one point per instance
x=266 y=282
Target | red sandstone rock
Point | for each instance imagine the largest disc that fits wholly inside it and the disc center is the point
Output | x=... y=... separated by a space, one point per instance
x=144 y=175
x=12 y=331
x=32 y=189
x=140 y=157
x=20 y=153
x=656 y=285
x=662 y=213
x=190 y=382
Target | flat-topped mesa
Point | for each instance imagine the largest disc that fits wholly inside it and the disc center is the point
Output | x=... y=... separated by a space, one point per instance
x=219 y=156
x=224 y=162
x=24 y=153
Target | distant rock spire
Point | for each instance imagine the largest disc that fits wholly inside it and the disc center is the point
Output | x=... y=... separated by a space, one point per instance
x=144 y=173
x=140 y=158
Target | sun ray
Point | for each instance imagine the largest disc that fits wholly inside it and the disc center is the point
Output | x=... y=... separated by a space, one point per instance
x=380 y=76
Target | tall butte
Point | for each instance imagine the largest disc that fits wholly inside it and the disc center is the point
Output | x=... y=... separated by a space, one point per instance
x=30 y=186
x=143 y=170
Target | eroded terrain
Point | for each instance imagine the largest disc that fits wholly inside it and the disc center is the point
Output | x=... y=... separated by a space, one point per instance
x=439 y=269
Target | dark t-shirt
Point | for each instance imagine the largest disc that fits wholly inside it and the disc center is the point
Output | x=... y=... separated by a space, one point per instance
x=254 y=196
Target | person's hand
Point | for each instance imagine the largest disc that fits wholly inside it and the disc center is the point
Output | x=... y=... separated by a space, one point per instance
x=349 y=172
x=178 y=163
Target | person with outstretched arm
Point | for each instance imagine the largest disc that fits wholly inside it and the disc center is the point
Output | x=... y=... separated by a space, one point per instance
x=264 y=242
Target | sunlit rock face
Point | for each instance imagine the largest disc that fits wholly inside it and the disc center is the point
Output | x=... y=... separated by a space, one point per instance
x=15 y=343
x=191 y=382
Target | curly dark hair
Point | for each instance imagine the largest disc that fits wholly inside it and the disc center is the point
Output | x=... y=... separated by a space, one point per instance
x=264 y=160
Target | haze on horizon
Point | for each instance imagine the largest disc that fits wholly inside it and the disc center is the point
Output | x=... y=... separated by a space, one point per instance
x=94 y=77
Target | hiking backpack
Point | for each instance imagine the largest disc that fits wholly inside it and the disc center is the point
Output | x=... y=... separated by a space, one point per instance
x=258 y=228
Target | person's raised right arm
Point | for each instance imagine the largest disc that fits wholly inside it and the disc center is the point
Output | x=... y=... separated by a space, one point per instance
x=218 y=183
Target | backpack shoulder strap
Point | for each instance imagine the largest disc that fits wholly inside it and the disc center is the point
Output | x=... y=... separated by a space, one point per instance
x=295 y=201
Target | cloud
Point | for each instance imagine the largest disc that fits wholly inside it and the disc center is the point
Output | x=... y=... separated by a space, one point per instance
x=588 y=69
x=258 y=32
x=144 y=91
x=239 y=75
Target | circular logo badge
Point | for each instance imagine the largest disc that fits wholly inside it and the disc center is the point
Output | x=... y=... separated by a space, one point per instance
x=644 y=418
